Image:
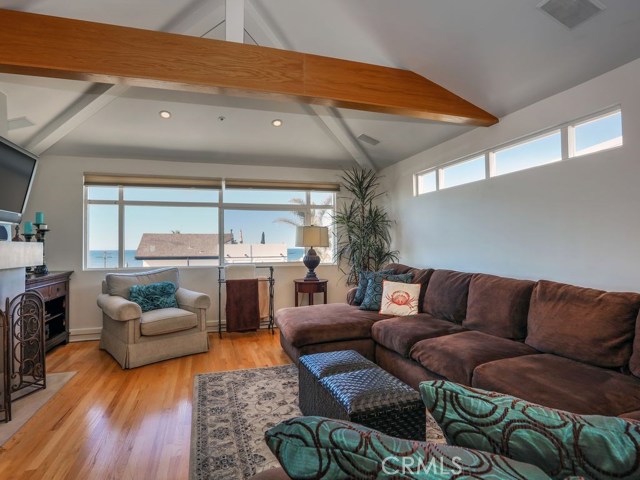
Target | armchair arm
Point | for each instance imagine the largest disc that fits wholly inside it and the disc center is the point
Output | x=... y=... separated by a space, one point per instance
x=192 y=299
x=351 y=294
x=119 y=308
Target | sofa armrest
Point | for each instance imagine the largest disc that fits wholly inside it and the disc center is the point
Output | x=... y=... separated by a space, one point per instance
x=194 y=300
x=351 y=294
x=119 y=308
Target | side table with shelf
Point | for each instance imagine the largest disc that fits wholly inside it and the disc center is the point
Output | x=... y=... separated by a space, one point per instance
x=54 y=288
x=310 y=287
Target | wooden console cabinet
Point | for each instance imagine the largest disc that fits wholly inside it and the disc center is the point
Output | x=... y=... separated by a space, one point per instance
x=54 y=288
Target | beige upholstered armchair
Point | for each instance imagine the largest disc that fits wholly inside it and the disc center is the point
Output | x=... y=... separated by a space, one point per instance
x=135 y=338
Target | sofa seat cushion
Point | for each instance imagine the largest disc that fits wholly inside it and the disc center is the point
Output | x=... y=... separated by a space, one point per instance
x=325 y=323
x=498 y=306
x=456 y=356
x=166 y=320
x=446 y=295
x=591 y=326
x=401 y=333
x=561 y=383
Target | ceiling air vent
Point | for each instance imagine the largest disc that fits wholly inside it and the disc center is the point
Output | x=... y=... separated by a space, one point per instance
x=367 y=139
x=571 y=13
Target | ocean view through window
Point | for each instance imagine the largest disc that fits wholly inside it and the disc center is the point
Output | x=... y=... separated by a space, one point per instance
x=134 y=226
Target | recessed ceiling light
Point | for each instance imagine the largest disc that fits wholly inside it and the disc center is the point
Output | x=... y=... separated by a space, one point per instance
x=165 y=114
x=277 y=122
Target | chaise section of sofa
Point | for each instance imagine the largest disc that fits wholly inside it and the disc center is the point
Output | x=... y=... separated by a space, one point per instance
x=336 y=326
x=325 y=328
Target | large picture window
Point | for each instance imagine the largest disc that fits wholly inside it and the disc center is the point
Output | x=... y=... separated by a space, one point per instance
x=150 y=223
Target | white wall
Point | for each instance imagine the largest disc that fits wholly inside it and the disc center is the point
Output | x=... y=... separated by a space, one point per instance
x=58 y=191
x=576 y=221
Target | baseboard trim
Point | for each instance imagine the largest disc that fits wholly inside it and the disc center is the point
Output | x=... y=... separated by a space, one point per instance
x=90 y=334
x=212 y=325
x=84 y=334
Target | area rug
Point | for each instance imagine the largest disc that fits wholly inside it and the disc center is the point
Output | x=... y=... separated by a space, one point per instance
x=231 y=412
x=25 y=408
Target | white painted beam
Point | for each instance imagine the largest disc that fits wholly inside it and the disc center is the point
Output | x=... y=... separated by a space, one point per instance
x=327 y=115
x=234 y=21
x=196 y=20
x=4 y=115
x=90 y=103
x=343 y=135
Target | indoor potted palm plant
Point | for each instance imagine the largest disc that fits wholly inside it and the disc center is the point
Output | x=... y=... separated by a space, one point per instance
x=362 y=227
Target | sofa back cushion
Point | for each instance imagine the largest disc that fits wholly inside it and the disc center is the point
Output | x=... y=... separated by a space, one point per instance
x=420 y=275
x=634 y=363
x=446 y=295
x=498 y=306
x=583 y=324
x=363 y=281
x=120 y=283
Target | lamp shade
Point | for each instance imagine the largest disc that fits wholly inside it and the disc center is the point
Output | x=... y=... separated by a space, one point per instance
x=312 y=236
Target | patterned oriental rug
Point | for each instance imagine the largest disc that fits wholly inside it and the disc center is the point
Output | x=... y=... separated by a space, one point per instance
x=231 y=412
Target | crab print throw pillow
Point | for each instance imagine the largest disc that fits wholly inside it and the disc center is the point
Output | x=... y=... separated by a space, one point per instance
x=399 y=299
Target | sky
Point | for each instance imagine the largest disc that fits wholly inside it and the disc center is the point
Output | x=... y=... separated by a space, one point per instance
x=103 y=219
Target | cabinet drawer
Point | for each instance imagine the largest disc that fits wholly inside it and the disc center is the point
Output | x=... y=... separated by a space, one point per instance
x=44 y=291
x=57 y=290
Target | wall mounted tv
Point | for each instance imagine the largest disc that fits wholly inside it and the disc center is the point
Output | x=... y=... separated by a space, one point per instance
x=17 y=169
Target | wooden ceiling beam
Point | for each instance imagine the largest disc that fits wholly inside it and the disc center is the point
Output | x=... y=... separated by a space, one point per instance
x=57 y=47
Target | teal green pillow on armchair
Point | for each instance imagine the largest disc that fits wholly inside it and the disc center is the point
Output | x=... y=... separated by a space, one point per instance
x=373 y=295
x=154 y=296
x=324 y=449
x=560 y=443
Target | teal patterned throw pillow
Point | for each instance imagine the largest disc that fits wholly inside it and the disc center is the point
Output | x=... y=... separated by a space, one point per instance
x=324 y=449
x=363 y=281
x=154 y=296
x=373 y=295
x=560 y=443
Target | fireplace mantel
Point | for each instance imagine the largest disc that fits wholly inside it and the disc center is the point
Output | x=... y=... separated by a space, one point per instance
x=20 y=254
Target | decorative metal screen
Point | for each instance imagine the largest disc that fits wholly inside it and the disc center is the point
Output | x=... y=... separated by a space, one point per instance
x=26 y=342
x=5 y=394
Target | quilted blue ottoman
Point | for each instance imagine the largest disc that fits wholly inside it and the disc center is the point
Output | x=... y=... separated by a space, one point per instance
x=346 y=386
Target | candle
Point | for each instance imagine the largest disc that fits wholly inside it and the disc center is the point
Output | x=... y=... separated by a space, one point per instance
x=28 y=228
x=39 y=218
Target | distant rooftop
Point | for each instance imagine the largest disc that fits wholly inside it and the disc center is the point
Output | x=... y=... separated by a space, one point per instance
x=158 y=246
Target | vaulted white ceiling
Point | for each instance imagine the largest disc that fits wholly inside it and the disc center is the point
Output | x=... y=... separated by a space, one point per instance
x=499 y=54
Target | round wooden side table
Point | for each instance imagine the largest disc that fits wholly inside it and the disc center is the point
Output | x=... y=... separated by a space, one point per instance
x=311 y=287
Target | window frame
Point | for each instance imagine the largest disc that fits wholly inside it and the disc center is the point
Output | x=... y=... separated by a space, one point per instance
x=567 y=146
x=121 y=204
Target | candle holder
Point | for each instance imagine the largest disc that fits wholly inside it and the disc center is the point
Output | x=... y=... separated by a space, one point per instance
x=41 y=231
x=28 y=236
x=16 y=237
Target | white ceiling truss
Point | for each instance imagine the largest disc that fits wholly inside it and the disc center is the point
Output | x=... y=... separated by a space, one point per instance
x=192 y=22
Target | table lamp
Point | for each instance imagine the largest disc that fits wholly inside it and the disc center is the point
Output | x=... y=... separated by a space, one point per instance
x=312 y=236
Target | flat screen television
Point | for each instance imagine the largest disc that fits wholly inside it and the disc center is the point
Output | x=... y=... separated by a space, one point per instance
x=17 y=169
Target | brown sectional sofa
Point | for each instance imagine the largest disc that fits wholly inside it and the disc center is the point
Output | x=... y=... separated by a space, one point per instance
x=562 y=346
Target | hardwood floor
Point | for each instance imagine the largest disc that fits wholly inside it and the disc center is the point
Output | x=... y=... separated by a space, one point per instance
x=109 y=423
